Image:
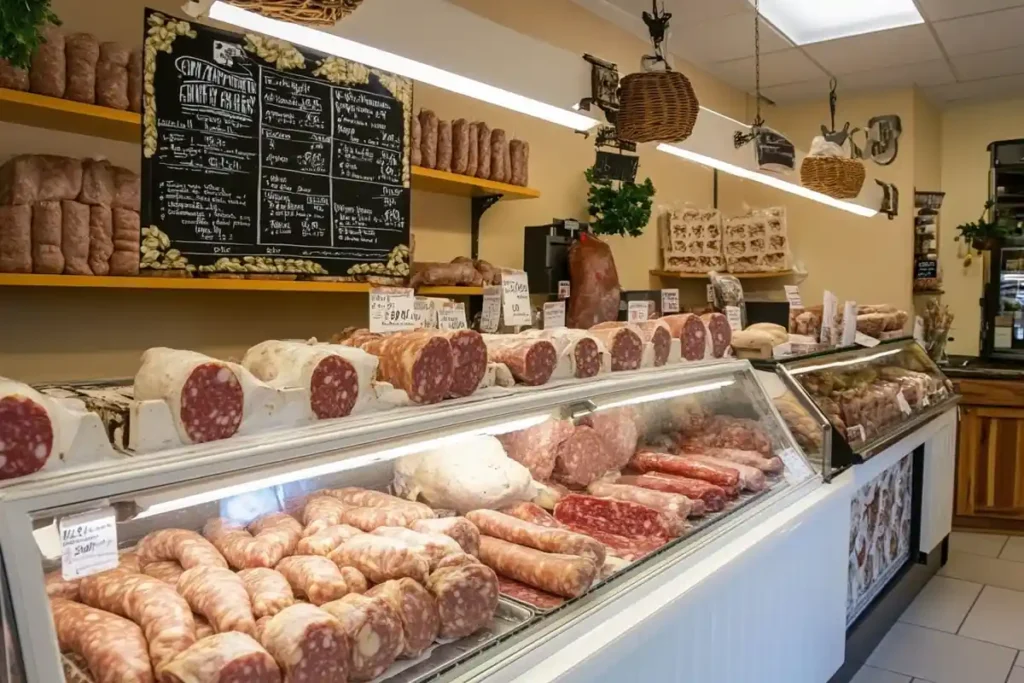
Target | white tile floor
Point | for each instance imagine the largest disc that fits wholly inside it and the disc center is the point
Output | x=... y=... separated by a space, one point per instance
x=966 y=626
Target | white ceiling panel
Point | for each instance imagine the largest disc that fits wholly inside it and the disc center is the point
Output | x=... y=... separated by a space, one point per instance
x=908 y=45
x=704 y=10
x=816 y=89
x=990 y=88
x=720 y=40
x=937 y=10
x=935 y=72
x=777 y=68
x=982 y=32
x=990 y=64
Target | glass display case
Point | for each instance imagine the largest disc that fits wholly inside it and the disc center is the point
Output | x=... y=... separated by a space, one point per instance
x=634 y=429
x=1003 y=327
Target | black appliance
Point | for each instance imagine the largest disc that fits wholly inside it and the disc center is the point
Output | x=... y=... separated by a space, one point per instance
x=1002 y=328
x=546 y=253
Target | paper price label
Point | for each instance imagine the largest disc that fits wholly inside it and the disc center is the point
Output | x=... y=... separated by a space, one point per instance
x=452 y=318
x=564 y=289
x=919 y=330
x=855 y=433
x=864 y=340
x=828 y=316
x=711 y=294
x=849 y=337
x=735 y=318
x=424 y=314
x=490 y=315
x=797 y=468
x=901 y=401
x=515 y=304
x=637 y=312
x=392 y=310
x=554 y=315
x=88 y=543
x=669 y=301
x=793 y=296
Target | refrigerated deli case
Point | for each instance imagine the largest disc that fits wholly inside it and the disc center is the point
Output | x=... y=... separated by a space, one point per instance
x=703 y=604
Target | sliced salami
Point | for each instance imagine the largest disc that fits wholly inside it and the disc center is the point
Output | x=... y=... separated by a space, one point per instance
x=531 y=361
x=674 y=508
x=467 y=598
x=469 y=355
x=308 y=644
x=624 y=343
x=771 y=465
x=612 y=516
x=690 y=331
x=416 y=608
x=222 y=658
x=584 y=352
x=381 y=559
x=581 y=458
x=719 y=332
x=531 y=596
x=375 y=630
x=541 y=537
x=751 y=478
x=28 y=430
x=658 y=334
x=418 y=362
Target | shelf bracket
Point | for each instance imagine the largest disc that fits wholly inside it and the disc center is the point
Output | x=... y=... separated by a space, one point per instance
x=479 y=206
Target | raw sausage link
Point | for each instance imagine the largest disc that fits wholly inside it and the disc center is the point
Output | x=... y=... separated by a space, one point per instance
x=531 y=512
x=674 y=507
x=417 y=610
x=113 y=648
x=466 y=597
x=536 y=448
x=712 y=496
x=315 y=577
x=566 y=575
x=460 y=529
x=751 y=478
x=437 y=546
x=164 y=616
x=612 y=516
x=369 y=498
x=187 y=547
x=276 y=537
x=222 y=658
x=375 y=631
x=220 y=596
x=513 y=530
x=369 y=519
x=326 y=540
x=650 y=461
x=308 y=644
x=268 y=589
x=168 y=572
x=57 y=587
x=381 y=559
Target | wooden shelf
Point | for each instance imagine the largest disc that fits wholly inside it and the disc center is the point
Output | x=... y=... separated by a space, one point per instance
x=208 y=284
x=441 y=182
x=704 y=276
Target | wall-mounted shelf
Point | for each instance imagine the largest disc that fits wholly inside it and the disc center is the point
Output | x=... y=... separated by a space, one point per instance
x=441 y=182
x=211 y=284
x=704 y=276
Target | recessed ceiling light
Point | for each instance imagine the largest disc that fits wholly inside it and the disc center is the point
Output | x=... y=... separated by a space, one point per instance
x=812 y=21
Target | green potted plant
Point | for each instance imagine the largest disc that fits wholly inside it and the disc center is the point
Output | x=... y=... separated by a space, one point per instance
x=988 y=231
x=20 y=26
x=617 y=207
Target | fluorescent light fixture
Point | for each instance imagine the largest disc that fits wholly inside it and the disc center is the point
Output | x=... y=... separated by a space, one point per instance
x=666 y=395
x=859 y=360
x=386 y=61
x=813 y=21
x=770 y=180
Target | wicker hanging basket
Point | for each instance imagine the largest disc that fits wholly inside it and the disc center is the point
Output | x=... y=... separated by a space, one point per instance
x=656 y=106
x=837 y=177
x=308 y=12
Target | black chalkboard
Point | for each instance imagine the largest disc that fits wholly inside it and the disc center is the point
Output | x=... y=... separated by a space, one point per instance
x=926 y=268
x=259 y=157
x=622 y=167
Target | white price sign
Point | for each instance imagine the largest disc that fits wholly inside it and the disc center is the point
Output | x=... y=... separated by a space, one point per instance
x=855 y=433
x=735 y=318
x=828 y=316
x=864 y=340
x=554 y=315
x=88 y=543
x=849 y=324
x=901 y=401
x=515 y=305
x=919 y=330
x=637 y=311
x=490 y=316
x=711 y=294
x=424 y=314
x=793 y=296
x=564 y=289
x=392 y=310
x=797 y=468
x=452 y=317
x=669 y=301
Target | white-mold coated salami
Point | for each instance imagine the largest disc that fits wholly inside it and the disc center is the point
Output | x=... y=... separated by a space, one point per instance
x=375 y=630
x=222 y=658
x=308 y=644
x=29 y=429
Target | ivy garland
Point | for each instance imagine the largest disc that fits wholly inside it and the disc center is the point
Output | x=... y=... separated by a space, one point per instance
x=622 y=210
x=21 y=22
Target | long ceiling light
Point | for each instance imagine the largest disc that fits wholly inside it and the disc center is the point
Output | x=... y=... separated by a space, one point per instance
x=386 y=61
x=813 y=21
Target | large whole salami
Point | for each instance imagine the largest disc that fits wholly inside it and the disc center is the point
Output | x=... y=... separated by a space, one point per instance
x=652 y=461
x=565 y=575
x=113 y=648
x=375 y=630
x=220 y=596
x=466 y=597
x=327 y=539
x=690 y=330
x=713 y=497
x=613 y=516
x=719 y=333
x=369 y=498
x=514 y=530
x=308 y=644
x=594 y=282
x=584 y=353
x=417 y=610
x=751 y=478
x=268 y=589
x=381 y=559
x=674 y=508
x=771 y=465
x=29 y=430
x=460 y=529
x=205 y=395
x=316 y=578
x=531 y=512
x=536 y=448
x=185 y=547
x=531 y=361
x=658 y=334
x=222 y=658
x=624 y=343
x=437 y=546
x=581 y=458
x=619 y=429
x=418 y=362
x=469 y=355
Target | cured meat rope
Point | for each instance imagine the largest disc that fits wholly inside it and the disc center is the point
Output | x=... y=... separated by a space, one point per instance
x=381 y=559
x=417 y=610
x=28 y=429
x=375 y=631
x=222 y=658
x=308 y=644
x=514 y=530
x=317 y=578
x=460 y=529
x=466 y=597
x=625 y=345
x=269 y=591
x=567 y=575
x=185 y=547
x=113 y=648
x=220 y=596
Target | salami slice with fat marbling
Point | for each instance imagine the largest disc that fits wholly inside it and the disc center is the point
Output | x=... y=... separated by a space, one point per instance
x=719 y=332
x=623 y=341
x=690 y=330
x=469 y=356
x=28 y=430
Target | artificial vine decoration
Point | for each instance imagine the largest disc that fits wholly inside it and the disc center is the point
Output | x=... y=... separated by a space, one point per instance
x=622 y=210
x=21 y=22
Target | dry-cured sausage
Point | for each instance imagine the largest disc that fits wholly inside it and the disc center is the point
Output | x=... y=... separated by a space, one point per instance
x=81 y=52
x=327 y=539
x=437 y=546
x=184 y=546
x=16 y=239
x=444 y=146
x=719 y=333
x=567 y=575
x=222 y=658
x=308 y=644
x=381 y=559
x=690 y=330
x=515 y=530
x=466 y=597
x=417 y=610
x=428 y=138
x=219 y=595
x=375 y=631
x=316 y=578
x=713 y=497
x=652 y=461
x=268 y=589
x=460 y=529
x=613 y=516
x=113 y=648
x=483 y=162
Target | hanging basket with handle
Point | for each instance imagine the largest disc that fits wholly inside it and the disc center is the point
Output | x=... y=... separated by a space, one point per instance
x=837 y=177
x=308 y=12
x=657 y=106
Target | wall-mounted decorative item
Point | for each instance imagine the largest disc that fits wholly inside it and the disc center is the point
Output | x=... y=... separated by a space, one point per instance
x=890 y=205
x=986 y=233
x=309 y=12
x=829 y=168
x=619 y=208
x=883 y=134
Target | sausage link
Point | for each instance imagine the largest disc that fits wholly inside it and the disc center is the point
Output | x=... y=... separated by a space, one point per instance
x=437 y=546
x=315 y=577
x=460 y=529
x=222 y=658
x=268 y=589
x=381 y=559
x=566 y=575
x=513 y=530
x=113 y=648
x=326 y=540
x=187 y=547
x=219 y=595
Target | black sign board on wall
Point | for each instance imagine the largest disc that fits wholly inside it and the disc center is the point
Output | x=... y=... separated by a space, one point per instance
x=259 y=157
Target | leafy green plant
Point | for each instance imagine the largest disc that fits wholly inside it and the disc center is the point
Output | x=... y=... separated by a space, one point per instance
x=984 y=232
x=20 y=24
x=619 y=208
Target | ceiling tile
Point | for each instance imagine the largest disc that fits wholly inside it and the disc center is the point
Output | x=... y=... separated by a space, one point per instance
x=815 y=89
x=703 y=10
x=982 y=32
x=937 y=10
x=935 y=72
x=719 y=40
x=989 y=88
x=990 y=64
x=883 y=49
x=777 y=68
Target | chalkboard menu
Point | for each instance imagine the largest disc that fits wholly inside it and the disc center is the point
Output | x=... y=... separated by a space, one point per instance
x=262 y=158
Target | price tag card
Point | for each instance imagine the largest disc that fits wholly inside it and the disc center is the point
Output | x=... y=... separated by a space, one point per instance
x=797 y=468
x=88 y=543
x=793 y=296
x=919 y=330
x=452 y=317
x=392 y=310
x=424 y=314
x=849 y=337
x=515 y=304
x=864 y=340
x=490 y=316
x=711 y=294
x=554 y=314
x=735 y=318
x=901 y=401
x=564 y=289
x=637 y=311
x=855 y=433
x=669 y=301
x=571 y=224
x=828 y=316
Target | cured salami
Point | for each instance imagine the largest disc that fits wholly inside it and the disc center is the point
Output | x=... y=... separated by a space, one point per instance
x=531 y=361
x=335 y=376
x=418 y=362
x=722 y=431
x=483 y=166
x=417 y=610
x=771 y=465
x=308 y=644
x=263 y=544
x=436 y=546
x=326 y=540
x=673 y=507
x=28 y=429
x=619 y=517
x=713 y=497
x=203 y=628
x=185 y=547
x=531 y=596
x=205 y=395
x=381 y=559
x=623 y=342
x=531 y=512
x=369 y=519
x=466 y=597
x=719 y=333
x=113 y=648
x=751 y=478
x=536 y=448
x=321 y=512
x=584 y=353
x=651 y=461
x=360 y=497
x=469 y=356
x=618 y=429
x=460 y=529
x=268 y=589
x=220 y=596
x=548 y=539
x=690 y=330
x=375 y=631
x=316 y=578
x=566 y=575
x=595 y=283
x=428 y=138
x=222 y=658
x=57 y=587
x=581 y=458
x=658 y=334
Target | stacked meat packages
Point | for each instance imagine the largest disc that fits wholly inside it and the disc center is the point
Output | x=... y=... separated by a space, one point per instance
x=71 y=216
x=471 y=149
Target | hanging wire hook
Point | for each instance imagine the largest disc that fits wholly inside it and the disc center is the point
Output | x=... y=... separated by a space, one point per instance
x=833 y=85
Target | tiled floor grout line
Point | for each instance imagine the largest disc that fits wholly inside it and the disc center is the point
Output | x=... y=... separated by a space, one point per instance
x=957 y=635
x=1005 y=543
x=964 y=620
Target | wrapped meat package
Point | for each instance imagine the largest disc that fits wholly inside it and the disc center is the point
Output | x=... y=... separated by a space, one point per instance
x=444 y=146
x=483 y=165
x=81 y=52
x=12 y=77
x=519 y=154
x=112 y=76
x=499 y=156
x=101 y=239
x=472 y=149
x=48 y=75
x=219 y=595
x=595 y=283
x=47 y=232
x=126 y=233
x=75 y=238
x=428 y=140
x=16 y=239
